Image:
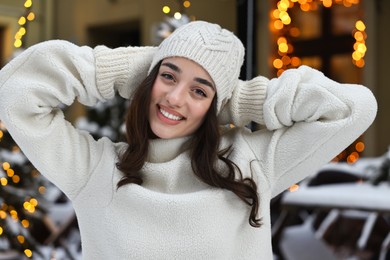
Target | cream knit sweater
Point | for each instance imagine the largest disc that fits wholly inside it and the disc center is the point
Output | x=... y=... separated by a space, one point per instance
x=308 y=119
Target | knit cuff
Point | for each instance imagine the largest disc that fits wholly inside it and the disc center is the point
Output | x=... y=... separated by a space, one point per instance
x=121 y=69
x=247 y=101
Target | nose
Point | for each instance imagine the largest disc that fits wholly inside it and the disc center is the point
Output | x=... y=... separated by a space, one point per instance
x=176 y=95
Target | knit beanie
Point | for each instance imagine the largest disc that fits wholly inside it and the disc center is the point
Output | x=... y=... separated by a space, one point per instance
x=217 y=50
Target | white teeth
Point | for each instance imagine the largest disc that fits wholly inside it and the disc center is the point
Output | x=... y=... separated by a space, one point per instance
x=170 y=116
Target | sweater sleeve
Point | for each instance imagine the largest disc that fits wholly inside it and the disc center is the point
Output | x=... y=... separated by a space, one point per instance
x=32 y=87
x=116 y=71
x=246 y=103
x=309 y=119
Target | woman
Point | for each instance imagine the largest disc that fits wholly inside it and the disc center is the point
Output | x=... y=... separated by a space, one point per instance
x=180 y=188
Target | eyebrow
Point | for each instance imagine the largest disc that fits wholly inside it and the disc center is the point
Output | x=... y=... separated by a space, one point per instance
x=197 y=79
x=205 y=82
x=172 y=66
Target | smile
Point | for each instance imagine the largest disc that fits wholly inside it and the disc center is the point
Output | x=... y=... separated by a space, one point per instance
x=170 y=116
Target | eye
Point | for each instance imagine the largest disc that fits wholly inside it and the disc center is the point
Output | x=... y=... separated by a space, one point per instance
x=167 y=76
x=200 y=92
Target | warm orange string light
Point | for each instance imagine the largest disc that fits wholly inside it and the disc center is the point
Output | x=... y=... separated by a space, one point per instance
x=30 y=16
x=359 y=47
x=177 y=15
x=293 y=188
x=281 y=23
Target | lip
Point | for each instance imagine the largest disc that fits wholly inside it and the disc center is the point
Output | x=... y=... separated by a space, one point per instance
x=167 y=120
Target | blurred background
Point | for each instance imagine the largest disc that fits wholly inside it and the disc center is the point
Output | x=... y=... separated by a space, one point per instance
x=340 y=212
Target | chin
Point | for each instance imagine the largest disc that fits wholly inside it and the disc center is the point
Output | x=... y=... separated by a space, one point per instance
x=167 y=134
x=157 y=133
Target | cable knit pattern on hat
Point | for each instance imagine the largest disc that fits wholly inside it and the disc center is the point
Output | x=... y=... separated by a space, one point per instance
x=217 y=50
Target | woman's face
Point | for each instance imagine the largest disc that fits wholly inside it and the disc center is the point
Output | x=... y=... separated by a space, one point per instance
x=181 y=96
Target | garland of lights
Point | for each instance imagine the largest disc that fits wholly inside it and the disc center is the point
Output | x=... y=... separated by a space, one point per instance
x=280 y=19
x=23 y=21
x=30 y=204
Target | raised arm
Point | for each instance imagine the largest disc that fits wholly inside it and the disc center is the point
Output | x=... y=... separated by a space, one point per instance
x=34 y=84
x=309 y=119
x=313 y=118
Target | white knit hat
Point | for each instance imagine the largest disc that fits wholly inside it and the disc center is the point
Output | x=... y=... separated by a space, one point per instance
x=217 y=50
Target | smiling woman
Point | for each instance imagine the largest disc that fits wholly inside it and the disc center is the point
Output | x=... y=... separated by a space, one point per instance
x=182 y=186
x=181 y=96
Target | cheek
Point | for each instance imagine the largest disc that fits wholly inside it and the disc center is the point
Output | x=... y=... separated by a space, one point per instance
x=200 y=111
x=155 y=91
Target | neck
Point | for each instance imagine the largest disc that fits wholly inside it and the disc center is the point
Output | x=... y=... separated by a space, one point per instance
x=163 y=150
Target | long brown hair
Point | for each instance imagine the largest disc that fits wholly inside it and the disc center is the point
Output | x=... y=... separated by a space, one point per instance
x=204 y=146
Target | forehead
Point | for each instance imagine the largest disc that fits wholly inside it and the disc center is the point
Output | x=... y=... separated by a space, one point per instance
x=186 y=64
x=182 y=64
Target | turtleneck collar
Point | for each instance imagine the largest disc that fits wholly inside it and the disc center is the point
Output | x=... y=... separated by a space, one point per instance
x=163 y=150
